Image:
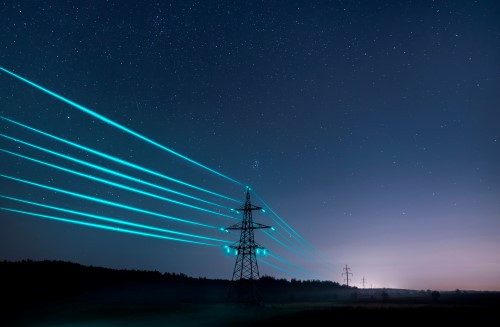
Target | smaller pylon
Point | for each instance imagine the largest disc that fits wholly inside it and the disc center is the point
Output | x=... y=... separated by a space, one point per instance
x=346 y=273
x=363 y=281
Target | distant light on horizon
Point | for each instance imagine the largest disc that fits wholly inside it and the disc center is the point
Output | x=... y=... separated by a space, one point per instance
x=367 y=131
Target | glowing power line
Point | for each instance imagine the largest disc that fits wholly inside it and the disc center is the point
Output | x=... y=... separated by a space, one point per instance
x=111 y=203
x=118 y=160
x=279 y=242
x=110 y=171
x=112 y=123
x=287 y=262
x=104 y=181
x=111 y=220
x=115 y=229
x=280 y=268
x=139 y=136
x=298 y=237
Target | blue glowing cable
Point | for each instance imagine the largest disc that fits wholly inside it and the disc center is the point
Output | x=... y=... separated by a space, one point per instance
x=296 y=251
x=112 y=123
x=283 y=260
x=279 y=268
x=119 y=161
x=281 y=219
x=112 y=220
x=293 y=246
x=105 y=227
x=110 y=171
x=108 y=182
x=110 y=203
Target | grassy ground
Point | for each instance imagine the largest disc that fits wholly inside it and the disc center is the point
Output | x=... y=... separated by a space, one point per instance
x=55 y=293
x=79 y=314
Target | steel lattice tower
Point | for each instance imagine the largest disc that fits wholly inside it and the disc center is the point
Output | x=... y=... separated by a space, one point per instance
x=347 y=272
x=246 y=271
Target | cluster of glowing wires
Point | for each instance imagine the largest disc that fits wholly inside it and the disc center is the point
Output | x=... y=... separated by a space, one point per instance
x=150 y=184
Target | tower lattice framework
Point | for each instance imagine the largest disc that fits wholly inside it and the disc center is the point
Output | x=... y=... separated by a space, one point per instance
x=246 y=270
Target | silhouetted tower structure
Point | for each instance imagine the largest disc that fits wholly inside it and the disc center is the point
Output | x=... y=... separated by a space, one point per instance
x=246 y=271
x=363 y=281
x=346 y=273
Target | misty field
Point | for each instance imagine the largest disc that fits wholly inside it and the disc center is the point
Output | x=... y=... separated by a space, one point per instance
x=87 y=314
x=68 y=294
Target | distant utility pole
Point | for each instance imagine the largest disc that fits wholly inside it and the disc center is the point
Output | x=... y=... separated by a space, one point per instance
x=364 y=281
x=246 y=270
x=346 y=273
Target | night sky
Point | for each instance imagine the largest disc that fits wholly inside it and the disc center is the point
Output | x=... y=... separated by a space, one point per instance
x=372 y=128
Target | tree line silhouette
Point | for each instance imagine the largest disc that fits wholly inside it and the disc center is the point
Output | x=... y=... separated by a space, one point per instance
x=46 y=280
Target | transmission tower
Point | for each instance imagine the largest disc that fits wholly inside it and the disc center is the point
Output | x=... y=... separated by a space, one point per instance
x=363 y=281
x=346 y=273
x=246 y=271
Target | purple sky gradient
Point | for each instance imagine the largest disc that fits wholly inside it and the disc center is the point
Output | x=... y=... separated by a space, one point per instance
x=370 y=127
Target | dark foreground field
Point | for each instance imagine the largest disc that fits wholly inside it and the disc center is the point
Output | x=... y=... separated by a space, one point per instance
x=65 y=294
x=307 y=314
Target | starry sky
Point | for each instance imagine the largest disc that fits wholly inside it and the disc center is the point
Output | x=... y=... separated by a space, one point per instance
x=372 y=128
